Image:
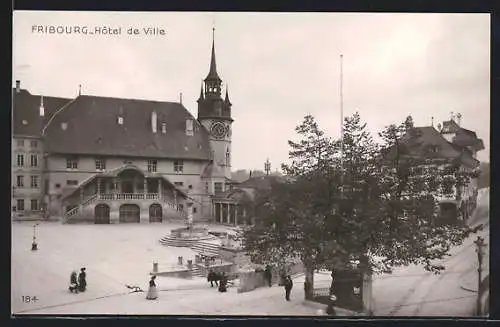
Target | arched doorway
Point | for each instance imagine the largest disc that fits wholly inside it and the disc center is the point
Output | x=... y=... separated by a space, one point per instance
x=101 y=214
x=130 y=213
x=155 y=213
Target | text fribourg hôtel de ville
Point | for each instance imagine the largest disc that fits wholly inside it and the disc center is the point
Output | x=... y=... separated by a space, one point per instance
x=97 y=30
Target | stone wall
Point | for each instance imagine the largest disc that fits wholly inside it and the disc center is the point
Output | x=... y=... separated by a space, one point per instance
x=250 y=281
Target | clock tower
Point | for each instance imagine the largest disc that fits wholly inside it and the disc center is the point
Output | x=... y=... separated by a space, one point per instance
x=214 y=113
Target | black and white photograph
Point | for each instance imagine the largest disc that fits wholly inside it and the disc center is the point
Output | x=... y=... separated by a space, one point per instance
x=315 y=164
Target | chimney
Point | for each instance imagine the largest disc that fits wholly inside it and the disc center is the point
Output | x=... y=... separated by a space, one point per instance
x=459 y=119
x=42 y=109
x=154 y=121
x=189 y=127
x=18 y=86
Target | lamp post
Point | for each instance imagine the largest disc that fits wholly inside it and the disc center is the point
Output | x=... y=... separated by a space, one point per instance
x=34 y=245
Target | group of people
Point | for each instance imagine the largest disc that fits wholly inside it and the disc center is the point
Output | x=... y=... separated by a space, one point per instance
x=78 y=283
x=286 y=281
x=219 y=279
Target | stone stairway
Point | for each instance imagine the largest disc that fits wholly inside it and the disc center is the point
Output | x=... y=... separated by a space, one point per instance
x=170 y=240
x=206 y=248
x=197 y=272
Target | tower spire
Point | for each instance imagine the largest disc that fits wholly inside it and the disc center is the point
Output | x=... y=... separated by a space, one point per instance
x=212 y=74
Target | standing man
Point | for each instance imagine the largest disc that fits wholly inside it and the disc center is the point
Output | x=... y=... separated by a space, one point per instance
x=288 y=287
x=268 y=275
x=82 y=280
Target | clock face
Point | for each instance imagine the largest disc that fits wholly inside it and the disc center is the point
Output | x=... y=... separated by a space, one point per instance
x=218 y=130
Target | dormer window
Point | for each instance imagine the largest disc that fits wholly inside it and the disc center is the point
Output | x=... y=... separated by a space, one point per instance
x=189 y=127
x=120 y=120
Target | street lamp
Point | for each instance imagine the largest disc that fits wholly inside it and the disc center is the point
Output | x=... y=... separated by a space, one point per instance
x=34 y=245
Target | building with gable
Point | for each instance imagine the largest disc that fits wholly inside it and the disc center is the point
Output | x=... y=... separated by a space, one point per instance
x=112 y=160
x=448 y=145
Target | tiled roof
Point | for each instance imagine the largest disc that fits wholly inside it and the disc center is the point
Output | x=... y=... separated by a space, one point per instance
x=421 y=140
x=26 y=118
x=465 y=137
x=92 y=128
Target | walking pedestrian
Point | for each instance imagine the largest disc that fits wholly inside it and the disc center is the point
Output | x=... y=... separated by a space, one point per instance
x=152 y=291
x=288 y=287
x=73 y=282
x=82 y=280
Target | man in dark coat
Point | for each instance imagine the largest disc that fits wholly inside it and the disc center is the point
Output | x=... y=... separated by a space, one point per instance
x=212 y=278
x=268 y=275
x=82 y=280
x=288 y=287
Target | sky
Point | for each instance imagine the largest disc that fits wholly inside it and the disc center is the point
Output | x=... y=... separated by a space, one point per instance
x=278 y=67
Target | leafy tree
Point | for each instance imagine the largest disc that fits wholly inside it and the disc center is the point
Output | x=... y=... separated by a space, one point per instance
x=385 y=215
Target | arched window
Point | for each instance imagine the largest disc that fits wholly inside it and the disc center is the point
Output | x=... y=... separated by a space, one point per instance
x=228 y=157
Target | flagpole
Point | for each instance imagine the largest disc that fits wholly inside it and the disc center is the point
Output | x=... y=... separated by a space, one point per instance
x=341 y=129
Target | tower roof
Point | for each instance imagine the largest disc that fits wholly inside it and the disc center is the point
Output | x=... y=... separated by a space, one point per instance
x=226 y=100
x=201 y=93
x=212 y=74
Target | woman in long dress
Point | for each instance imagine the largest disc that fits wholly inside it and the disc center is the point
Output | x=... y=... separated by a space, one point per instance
x=152 y=292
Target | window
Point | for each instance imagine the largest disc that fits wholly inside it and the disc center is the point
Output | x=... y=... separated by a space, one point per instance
x=189 y=127
x=120 y=120
x=71 y=182
x=71 y=163
x=20 y=160
x=152 y=166
x=194 y=210
x=20 y=181
x=58 y=185
x=180 y=207
x=34 y=160
x=206 y=187
x=163 y=128
x=228 y=158
x=190 y=187
x=34 y=144
x=34 y=204
x=179 y=183
x=20 y=142
x=34 y=181
x=100 y=164
x=20 y=205
x=218 y=187
x=178 y=166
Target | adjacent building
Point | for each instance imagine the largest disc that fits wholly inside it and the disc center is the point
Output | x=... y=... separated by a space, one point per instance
x=445 y=146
